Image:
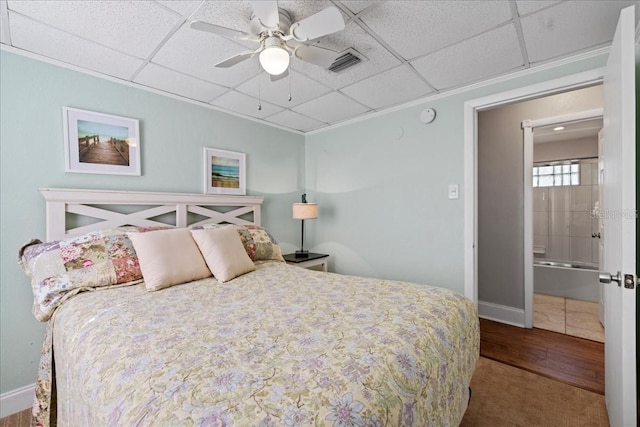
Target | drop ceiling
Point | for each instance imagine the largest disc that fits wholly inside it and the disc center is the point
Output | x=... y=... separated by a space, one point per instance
x=411 y=49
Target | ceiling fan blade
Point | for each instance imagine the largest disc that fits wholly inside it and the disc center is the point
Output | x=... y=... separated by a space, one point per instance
x=280 y=76
x=322 y=23
x=230 y=62
x=221 y=31
x=316 y=55
x=267 y=13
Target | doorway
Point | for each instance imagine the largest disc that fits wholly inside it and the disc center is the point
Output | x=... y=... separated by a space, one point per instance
x=504 y=198
x=567 y=296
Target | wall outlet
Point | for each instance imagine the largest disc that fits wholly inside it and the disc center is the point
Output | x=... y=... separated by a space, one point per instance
x=454 y=191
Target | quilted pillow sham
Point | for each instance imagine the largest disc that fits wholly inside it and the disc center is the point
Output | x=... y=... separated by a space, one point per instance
x=258 y=242
x=61 y=269
x=266 y=246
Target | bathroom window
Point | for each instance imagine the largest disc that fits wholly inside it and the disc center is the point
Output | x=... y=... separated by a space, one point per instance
x=556 y=175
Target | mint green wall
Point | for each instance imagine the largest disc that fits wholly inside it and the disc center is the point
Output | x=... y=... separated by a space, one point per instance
x=382 y=188
x=32 y=95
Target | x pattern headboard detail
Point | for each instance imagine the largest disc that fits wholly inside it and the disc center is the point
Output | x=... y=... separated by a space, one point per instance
x=100 y=205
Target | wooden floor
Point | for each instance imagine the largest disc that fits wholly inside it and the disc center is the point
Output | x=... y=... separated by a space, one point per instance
x=572 y=360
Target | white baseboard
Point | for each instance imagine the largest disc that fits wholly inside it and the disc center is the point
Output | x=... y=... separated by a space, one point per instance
x=16 y=400
x=501 y=313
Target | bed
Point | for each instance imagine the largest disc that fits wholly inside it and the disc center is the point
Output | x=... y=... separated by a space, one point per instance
x=276 y=346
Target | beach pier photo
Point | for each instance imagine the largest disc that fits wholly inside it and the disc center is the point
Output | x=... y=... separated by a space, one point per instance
x=103 y=144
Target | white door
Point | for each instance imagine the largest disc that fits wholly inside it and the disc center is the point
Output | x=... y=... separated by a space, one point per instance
x=619 y=225
x=597 y=212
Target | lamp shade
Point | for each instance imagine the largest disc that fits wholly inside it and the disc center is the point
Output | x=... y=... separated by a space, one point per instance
x=305 y=210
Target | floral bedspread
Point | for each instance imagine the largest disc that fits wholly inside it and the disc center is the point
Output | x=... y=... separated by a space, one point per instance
x=281 y=346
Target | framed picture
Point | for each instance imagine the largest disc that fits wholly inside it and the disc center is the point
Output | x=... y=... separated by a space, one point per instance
x=224 y=172
x=100 y=143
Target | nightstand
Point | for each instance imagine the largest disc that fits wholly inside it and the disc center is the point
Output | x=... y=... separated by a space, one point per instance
x=311 y=260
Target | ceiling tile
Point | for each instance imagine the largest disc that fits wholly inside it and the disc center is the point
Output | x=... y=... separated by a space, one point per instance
x=415 y=28
x=180 y=6
x=171 y=81
x=300 y=87
x=392 y=87
x=358 y=6
x=303 y=9
x=230 y=14
x=570 y=27
x=331 y=108
x=293 y=120
x=243 y=104
x=466 y=62
x=4 y=30
x=38 y=38
x=196 y=53
x=526 y=7
x=378 y=59
x=133 y=27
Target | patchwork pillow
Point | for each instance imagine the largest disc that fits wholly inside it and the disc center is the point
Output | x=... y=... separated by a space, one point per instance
x=60 y=269
x=258 y=242
x=266 y=246
x=223 y=252
x=168 y=257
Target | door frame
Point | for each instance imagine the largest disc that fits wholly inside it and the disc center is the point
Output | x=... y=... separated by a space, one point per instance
x=527 y=127
x=471 y=109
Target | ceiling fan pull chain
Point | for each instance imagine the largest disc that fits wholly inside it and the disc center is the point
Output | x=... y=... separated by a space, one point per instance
x=289 y=86
x=259 y=92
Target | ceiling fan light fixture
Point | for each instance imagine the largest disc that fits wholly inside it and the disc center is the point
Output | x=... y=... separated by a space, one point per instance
x=274 y=58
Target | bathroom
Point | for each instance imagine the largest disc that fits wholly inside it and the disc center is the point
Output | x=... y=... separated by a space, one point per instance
x=566 y=229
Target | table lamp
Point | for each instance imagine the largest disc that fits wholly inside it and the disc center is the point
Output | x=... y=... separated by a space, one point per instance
x=304 y=211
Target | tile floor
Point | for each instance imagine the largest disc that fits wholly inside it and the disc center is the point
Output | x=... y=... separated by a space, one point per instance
x=567 y=316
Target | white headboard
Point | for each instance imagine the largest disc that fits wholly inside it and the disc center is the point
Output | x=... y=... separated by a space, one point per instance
x=101 y=205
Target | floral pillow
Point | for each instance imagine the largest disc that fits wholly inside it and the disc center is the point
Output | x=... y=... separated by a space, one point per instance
x=266 y=246
x=61 y=269
x=258 y=242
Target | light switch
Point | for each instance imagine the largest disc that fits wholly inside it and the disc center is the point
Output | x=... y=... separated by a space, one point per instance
x=453 y=191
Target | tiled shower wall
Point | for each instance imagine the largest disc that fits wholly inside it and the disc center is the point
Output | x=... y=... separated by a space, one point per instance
x=563 y=223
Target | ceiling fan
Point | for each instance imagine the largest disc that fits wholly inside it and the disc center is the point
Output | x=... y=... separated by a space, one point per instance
x=279 y=38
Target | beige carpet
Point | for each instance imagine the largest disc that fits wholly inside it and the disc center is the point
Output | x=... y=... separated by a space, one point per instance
x=508 y=396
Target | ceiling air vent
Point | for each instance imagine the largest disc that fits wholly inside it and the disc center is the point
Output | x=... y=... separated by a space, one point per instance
x=347 y=59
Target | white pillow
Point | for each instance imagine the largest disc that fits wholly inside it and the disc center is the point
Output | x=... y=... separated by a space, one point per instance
x=168 y=257
x=224 y=252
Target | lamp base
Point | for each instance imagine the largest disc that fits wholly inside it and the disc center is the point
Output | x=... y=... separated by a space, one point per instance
x=302 y=254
